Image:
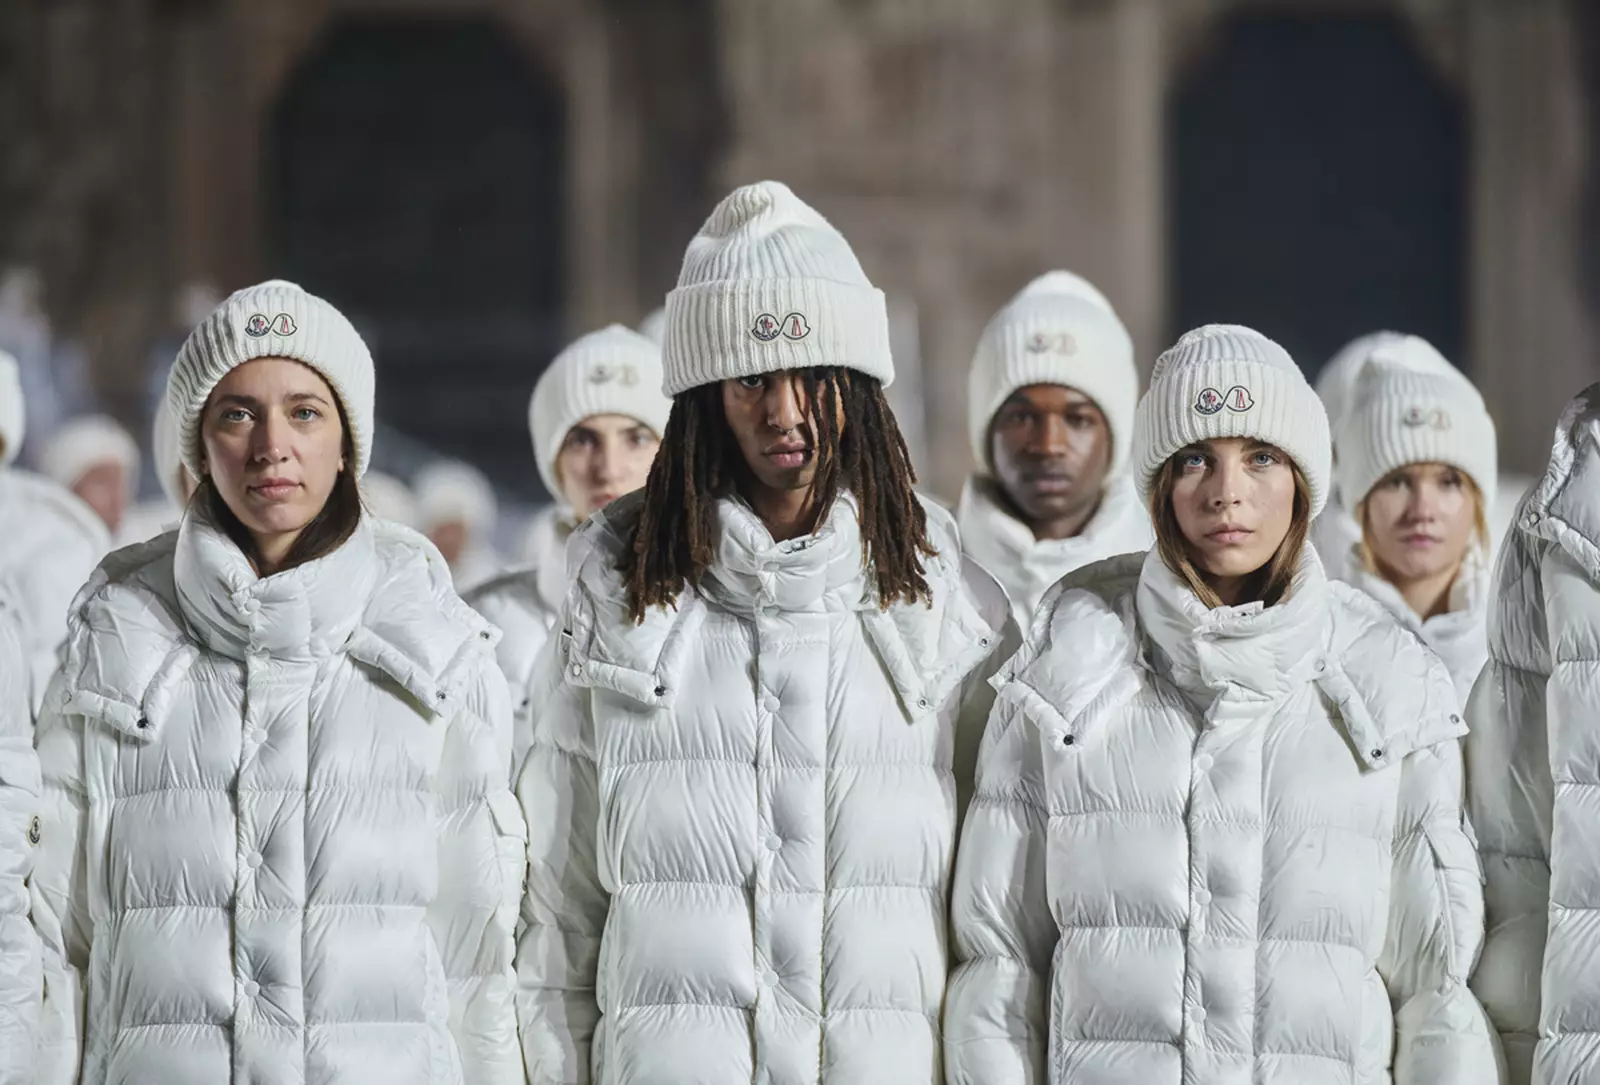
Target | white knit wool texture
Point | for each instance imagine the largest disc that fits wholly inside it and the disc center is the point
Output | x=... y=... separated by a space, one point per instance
x=13 y=427
x=166 y=450
x=1401 y=416
x=1224 y=380
x=1058 y=330
x=86 y=442
x=1336 y=382
x=274 y=319
x=448 y=492
x=612 y=371
x=769 y=285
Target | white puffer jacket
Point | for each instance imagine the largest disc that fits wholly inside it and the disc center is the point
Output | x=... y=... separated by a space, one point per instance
x=279 y=843
x=745 y=812
x=20 y=978
x=1534 y=774
x=1460 y=636
x=50 y=543
x=1217 y=846
x=523 y=604
x=1026 y=567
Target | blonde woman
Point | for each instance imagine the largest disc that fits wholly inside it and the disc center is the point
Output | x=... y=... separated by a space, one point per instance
x=1218 y=835
x=1417 y=461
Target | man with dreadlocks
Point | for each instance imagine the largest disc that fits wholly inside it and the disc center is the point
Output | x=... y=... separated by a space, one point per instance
x=743 y=781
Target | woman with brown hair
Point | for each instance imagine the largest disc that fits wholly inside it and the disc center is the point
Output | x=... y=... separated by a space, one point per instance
x=278 y=843
x=1217 y=834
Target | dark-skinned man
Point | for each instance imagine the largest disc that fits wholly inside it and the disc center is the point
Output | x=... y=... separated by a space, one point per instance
x=1050 y=412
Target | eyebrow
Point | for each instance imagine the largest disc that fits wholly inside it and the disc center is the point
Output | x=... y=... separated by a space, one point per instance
x=236 y=399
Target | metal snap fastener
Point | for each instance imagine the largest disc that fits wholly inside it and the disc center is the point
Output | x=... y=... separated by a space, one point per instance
x=661 y=691
x=251 y=989
x=983 y=642
x=143 y=723
x=577 y=671
x=1533 y=518
x=35 y=830
x=774 y=842
x=922 y=702
x=253 y=860
x=1322 y=665
x=1455 y=719
x=1068 y=740
x=485 y=635
x=1376 y=754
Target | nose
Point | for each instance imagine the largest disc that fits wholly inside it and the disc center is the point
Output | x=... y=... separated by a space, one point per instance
x=606 y=462
x=1048 y=439
x=1225 y=484
x=1421 y=504
x=267 y=440
x=785 y=402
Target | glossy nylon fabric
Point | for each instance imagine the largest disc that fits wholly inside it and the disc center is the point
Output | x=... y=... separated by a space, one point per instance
x=1534 y=780
x=21 y=980
x=1217 y=847
x=279 y=845
x=744 y=814
x=50 y=543
x=523 y=603
x=1027 y=567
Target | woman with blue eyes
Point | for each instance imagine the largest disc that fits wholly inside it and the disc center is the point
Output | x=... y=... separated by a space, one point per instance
x=1417 y=464
x=277 y=841
x=1217 y=834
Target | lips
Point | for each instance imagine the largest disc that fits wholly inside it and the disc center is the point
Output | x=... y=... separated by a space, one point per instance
x=1049 y=484
x=789 y=455
x=1419 y=540
x=274 y=489
x=1229 y=534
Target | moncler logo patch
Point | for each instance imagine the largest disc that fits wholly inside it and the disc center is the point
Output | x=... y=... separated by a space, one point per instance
x=625 y=375
x=1437 y=418
x=259 y=325
x=793 y=327
x=1237 y=399
x=1058 y=343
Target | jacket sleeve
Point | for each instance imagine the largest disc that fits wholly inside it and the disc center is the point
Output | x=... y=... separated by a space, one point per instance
x=21 y=978
x=977 y=703
x=995 y=1027
x=564 y=911
x=58 y=891
x=473 y=916
x=1511 y=796
x=1442 y=1034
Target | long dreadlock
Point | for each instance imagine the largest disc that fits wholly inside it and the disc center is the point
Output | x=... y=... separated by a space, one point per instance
x=859 y=448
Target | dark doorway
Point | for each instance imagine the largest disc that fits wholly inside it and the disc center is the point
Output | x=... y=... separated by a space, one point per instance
x=415 y=179
x=1319 y=186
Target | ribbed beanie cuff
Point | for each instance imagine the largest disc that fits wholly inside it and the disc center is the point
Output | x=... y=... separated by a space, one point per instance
x=1224 y=380
x=768 y=284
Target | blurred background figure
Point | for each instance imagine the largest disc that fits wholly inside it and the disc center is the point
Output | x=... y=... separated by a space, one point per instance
x=157 y=514
x=95 y=458
x=50 y=541
x=456 y=509
x=389 y=498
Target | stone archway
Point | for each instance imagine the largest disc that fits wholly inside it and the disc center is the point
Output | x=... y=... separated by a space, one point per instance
x=1319 y=185
x=415 y=174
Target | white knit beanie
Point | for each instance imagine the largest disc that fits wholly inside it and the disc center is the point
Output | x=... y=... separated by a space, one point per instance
x=1058 y=330
x=654 y=326
x=389 y=498
x=274 y=319
x=167 y=451
x=86 y=442
x=1336 y=383
x=1224 y=380
x=767 y=284
x=454 y=493
x=13 y=426
x=611 y=371
x=1402 y=415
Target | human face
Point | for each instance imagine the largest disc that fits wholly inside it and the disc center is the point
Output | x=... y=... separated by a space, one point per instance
x=1419 y=521
x=451 y=539
x=770 y=416
x=104 y=488
x=602 y=458
x=1051 y=448
x=273 y=448
x=1234 y=502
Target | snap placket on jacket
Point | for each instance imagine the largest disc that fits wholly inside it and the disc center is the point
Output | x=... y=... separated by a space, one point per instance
x=770 y=765
x=1220 y=846
x=279 y=845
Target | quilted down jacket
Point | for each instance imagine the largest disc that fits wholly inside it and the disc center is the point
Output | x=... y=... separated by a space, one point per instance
x=50 y=543
x=1027 y=567
x=279 y=844
x=523 y=604
x=20 y=978
x=744 y=814
x=1460 y=636
x=1217 y=846
x=1533 y=774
